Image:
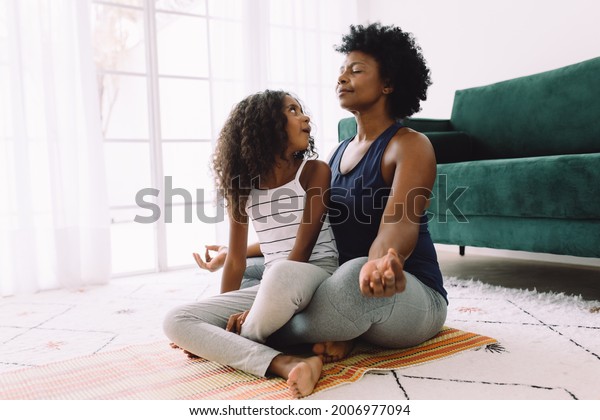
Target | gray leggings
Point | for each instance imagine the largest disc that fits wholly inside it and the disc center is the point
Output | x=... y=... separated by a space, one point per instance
x=285 y=289
x=337 y=312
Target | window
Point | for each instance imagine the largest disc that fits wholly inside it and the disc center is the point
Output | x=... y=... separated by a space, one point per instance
x=169 y=71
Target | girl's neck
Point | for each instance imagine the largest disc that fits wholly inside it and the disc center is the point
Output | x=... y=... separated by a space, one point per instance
x=283 y=172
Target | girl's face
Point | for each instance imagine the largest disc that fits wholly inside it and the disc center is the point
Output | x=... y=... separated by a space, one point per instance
x=298 y=125
x=359 y=83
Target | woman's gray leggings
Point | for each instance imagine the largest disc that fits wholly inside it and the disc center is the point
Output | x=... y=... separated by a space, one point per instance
x=337 y=312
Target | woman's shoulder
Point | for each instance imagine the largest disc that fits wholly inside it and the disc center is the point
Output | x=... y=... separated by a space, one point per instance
x=411 y=142
x=409 y=151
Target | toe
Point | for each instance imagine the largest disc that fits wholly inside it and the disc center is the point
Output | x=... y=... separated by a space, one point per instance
x=319 y=348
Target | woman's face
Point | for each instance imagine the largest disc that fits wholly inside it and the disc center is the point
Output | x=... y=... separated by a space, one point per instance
x=359 y=83
x=298 y=125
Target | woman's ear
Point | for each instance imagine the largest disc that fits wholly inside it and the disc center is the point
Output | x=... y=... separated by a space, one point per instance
x=387 y=89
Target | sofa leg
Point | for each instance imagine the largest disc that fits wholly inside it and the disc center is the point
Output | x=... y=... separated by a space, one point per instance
x=461 y=250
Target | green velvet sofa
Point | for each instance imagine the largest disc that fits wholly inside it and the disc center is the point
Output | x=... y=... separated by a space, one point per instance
x=519 y=164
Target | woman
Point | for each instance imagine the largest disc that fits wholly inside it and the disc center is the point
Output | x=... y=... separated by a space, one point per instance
x=388 y=289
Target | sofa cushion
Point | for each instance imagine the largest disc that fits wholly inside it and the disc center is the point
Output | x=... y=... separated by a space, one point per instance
x=551 y=186
x=554 y=236
x=551 y=113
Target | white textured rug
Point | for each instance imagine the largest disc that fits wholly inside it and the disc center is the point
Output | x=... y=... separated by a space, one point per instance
x=549 y=348
x=549 y=344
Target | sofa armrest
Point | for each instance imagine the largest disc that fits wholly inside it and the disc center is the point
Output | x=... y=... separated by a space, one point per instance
x=346 y=128
x=424 y=125
x=451 y=146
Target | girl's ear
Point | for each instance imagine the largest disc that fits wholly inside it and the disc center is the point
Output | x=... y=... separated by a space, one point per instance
x=388 y=88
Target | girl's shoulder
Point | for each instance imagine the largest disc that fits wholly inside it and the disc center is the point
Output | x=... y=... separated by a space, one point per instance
x=316 y=173
x=316 y=164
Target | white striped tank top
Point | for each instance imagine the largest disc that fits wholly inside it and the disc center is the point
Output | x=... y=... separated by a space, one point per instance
x=276 y=215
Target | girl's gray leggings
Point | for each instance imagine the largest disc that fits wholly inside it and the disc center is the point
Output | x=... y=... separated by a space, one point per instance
x=286 y=288
x=337 y=312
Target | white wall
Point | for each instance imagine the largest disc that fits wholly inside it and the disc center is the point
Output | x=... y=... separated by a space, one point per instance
x=476 y=42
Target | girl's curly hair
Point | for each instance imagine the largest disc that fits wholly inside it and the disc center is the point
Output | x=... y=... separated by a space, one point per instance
x=401 y=63
x=248 y=144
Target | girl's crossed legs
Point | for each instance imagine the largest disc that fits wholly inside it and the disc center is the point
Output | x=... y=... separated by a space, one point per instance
x=285 y=289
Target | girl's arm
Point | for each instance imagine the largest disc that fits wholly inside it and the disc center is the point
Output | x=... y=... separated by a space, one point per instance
x=315 y=179
x=235 y=262
x=410 y=163
x=253 y=250
x=214 y=263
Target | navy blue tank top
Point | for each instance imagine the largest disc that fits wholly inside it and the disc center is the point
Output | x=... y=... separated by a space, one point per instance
x=358 y=200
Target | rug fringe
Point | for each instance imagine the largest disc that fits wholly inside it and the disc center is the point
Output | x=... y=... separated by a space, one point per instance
x=495 y=348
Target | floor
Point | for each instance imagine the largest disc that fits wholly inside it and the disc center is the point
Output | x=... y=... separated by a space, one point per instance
x=58 y=325
x=543 y=276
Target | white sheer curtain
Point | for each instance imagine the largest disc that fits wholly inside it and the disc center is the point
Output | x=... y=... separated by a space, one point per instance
x=289 y=45
x=54 y=225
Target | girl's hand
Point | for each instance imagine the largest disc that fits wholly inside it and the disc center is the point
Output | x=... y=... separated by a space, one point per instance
x=236 y=321
x=212 y=263
x=382 y=277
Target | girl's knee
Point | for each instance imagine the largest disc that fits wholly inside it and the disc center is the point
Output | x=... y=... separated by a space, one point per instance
x=171 y=321
x=176 y=320
x=284 y=267
x=285 y=275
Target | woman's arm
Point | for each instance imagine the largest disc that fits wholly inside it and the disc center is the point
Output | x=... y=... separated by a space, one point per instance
x=315 y=179
x=409 y=165
x=235 y=261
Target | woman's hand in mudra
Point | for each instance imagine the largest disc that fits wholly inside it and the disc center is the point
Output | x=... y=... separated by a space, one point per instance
x=211 y=263
x=382 y=277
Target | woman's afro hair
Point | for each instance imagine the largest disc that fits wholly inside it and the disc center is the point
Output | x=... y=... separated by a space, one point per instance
x=401 y=63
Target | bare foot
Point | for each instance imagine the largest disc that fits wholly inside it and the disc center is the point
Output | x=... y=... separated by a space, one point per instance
x=187 y=353
x=303 y=377
x=332 y=351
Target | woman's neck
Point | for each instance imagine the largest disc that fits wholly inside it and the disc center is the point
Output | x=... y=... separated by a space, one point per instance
x=369 y=126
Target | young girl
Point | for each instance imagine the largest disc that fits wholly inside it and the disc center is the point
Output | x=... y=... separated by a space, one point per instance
x=263 y=175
